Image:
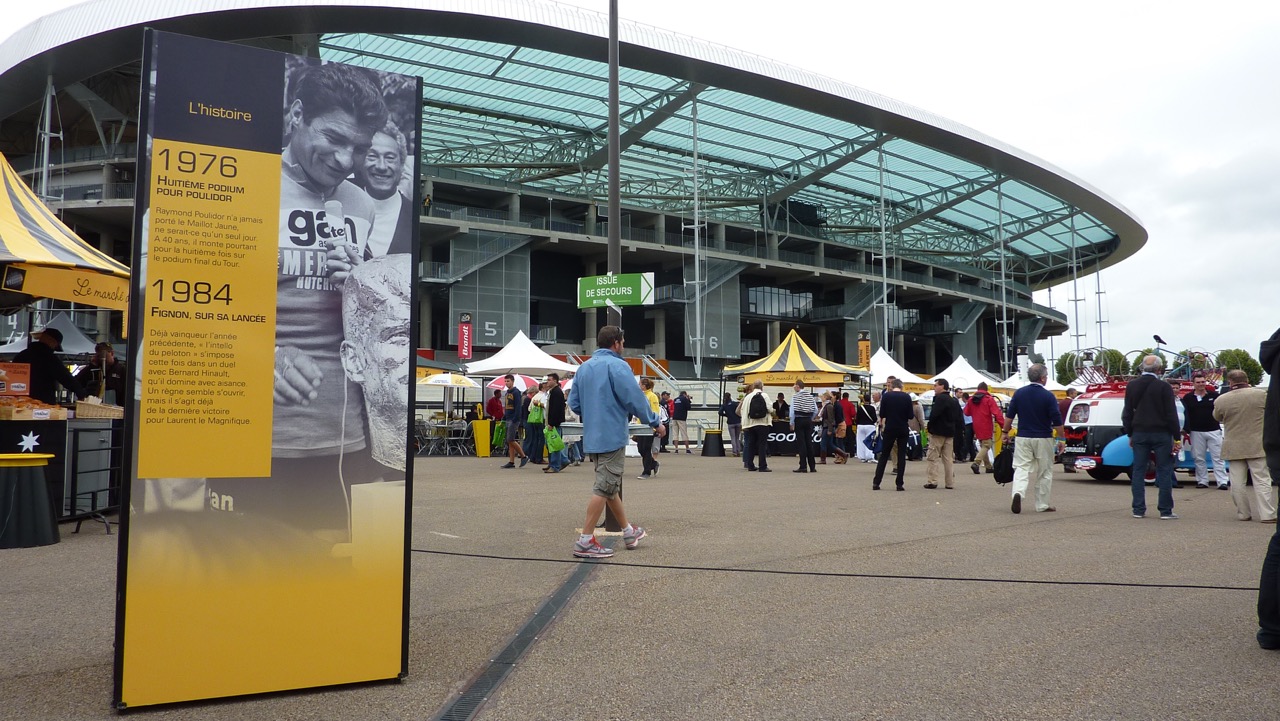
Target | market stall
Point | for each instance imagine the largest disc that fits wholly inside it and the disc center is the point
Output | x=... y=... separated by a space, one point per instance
x=793 y=360
x=40 y=257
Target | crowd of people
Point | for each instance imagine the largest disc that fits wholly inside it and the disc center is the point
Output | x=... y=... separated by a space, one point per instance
x=1239 y=424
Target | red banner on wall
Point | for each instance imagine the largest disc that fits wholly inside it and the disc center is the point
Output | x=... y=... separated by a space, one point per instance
x=464 y=336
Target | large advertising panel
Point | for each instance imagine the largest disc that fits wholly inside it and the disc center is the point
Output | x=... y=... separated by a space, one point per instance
x=265 y=544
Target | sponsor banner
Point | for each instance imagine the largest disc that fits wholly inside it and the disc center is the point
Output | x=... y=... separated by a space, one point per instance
x=265 y=548
x=783 y=442
x=464 y=336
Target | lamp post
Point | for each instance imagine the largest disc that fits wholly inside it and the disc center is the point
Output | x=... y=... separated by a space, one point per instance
x=615 y=190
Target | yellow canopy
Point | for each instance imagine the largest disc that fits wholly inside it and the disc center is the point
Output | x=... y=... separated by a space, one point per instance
x=791 y=361
x=42 y=258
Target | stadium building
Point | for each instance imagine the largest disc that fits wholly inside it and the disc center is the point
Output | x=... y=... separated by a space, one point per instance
x=762 y=197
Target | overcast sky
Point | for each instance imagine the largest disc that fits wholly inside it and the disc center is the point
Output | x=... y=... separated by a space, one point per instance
x=1169 y=108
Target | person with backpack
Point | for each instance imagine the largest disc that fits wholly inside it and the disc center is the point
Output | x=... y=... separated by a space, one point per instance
x=756 y=424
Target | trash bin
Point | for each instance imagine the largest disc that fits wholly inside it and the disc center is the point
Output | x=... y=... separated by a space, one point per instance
x=27 y=516
x=713 y=442
x=484 y=441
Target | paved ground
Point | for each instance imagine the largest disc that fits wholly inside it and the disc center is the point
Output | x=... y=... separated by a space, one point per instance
x=755 y=597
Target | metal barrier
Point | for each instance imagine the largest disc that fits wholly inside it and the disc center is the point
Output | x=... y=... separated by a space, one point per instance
x=94 y=474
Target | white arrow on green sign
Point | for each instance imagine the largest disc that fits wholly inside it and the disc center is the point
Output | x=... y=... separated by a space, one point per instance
x=597 y=291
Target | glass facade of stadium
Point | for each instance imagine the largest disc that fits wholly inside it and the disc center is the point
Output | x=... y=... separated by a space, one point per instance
x=763 y=204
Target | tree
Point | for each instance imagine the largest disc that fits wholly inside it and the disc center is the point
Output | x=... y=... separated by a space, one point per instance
x=1115 y=362
x=1235 y=358
x=1065 y=368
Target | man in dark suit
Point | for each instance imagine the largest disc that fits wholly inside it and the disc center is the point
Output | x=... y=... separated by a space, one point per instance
x=895 y=412
x=1269 y=588
x=946 y=422
x=1150 y=419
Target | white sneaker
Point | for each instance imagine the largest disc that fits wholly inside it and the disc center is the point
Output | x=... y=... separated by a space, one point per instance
x=591 y=549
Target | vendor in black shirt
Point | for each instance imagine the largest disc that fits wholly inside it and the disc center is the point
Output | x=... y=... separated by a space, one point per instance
x=46 y=369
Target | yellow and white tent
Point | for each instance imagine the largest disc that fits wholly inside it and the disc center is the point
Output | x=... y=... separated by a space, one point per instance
x=41 y=258
x=791 y=361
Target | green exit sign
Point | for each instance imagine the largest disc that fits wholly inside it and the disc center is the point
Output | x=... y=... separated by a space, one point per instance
x=598 y=291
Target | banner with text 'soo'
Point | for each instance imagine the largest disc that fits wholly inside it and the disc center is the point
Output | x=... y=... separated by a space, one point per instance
x=267 y=529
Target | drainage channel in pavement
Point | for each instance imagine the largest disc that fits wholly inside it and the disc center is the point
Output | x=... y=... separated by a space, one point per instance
x=468 y=703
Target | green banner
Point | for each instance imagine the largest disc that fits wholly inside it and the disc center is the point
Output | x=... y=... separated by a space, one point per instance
x=597 y=291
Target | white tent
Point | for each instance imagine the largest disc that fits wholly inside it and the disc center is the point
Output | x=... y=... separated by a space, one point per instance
x=74 y=342
x=1017 y=380
x=519 y=355
x=962 y=374
x=883 y=365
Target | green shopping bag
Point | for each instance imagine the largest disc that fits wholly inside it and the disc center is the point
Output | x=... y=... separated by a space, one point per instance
x=536 y=415
x=553 y=440
x=500 y=433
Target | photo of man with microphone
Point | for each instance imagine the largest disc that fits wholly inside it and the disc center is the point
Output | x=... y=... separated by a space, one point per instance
x=319 y=428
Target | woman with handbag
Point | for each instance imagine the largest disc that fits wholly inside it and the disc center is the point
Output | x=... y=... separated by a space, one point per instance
x=535 y=417
x=557 y=459
x=832 y=422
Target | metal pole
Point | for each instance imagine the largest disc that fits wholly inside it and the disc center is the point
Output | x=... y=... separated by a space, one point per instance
x=1052 y=357
x=614 y=313
x=884 y=256
x=1097 y=277
x=615 y=187
x=1004 y=299
x=698 y=280
x=1075 y=289
x=46 y=132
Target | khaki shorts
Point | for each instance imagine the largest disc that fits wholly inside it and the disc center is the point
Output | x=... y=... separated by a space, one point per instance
x=608 y=473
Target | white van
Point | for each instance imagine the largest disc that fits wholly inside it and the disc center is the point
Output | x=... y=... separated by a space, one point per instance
x=1095 y=441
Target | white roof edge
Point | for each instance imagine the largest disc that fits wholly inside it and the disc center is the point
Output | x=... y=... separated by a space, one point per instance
x=102 y=16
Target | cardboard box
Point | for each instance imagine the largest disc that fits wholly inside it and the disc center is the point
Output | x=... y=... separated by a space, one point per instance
x=15 y=379
x=9 y=413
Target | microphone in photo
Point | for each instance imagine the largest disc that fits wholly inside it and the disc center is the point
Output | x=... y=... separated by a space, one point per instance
x=337 y=223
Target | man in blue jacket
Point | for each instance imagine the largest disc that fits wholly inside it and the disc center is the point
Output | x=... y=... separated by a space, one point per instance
x=1039 y=420
x=605 y=396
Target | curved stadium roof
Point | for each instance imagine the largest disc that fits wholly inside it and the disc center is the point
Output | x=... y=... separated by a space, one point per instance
x=516 y=91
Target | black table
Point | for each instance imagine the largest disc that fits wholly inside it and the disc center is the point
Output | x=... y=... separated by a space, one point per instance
x=26 y=514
